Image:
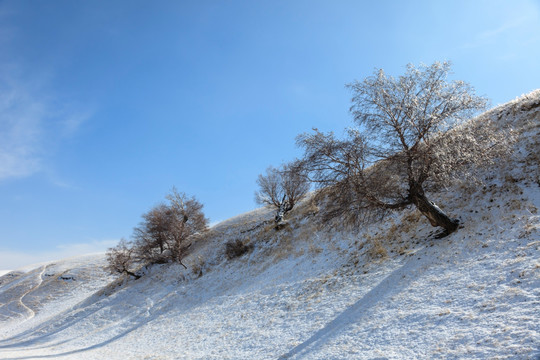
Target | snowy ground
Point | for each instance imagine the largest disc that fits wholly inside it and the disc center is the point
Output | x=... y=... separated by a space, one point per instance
x=387 y=291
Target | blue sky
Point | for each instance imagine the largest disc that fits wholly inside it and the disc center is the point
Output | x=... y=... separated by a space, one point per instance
x=105 y=105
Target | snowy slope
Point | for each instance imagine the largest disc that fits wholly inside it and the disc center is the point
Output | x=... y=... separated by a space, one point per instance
x=390 y=290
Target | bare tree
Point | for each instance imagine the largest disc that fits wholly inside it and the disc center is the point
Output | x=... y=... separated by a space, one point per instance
x=343 y=172
x=166 y=230
x=412 y=138
x=164 y=235
x=282 y=188
x=153 y=241
x=121 y=260
x=187 y=221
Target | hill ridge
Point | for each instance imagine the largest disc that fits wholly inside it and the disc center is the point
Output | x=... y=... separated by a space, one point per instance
x=387 y=290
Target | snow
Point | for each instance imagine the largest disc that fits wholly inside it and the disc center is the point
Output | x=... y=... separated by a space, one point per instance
x=389 y=290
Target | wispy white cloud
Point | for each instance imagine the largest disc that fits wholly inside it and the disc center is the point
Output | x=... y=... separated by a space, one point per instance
x=12 y=260
x=33 y=118
x=30 y=121
x=21 y=117
x=519 y=24
x=493 y=33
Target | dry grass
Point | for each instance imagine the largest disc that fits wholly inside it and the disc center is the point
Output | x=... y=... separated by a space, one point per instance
x=306 y=208
x=376 y=249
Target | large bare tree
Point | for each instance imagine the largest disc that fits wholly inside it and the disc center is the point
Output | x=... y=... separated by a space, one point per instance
x=412 y=136
x=166 y=230
x=188 y=221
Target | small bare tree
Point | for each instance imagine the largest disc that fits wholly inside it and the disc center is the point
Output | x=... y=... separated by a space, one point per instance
x=121 y=259
x=412 y=137
x=164 y=235
x=282 y=188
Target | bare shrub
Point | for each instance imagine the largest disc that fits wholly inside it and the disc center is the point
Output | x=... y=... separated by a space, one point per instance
x=237 y=248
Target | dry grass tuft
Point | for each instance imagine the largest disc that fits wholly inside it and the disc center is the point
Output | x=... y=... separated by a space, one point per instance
x=376 y=249
x=198 y=266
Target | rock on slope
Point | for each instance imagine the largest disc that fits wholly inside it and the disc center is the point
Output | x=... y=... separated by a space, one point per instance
x=386 y=291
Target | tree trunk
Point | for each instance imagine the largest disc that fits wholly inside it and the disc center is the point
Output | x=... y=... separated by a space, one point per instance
x=279 y=214
x=281 y=210
x=435 y=215
x=137 y=277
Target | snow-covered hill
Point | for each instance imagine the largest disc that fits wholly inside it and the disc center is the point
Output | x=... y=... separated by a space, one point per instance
x=390 y=290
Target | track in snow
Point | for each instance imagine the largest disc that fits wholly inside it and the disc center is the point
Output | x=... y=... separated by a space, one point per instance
x=40 y=281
